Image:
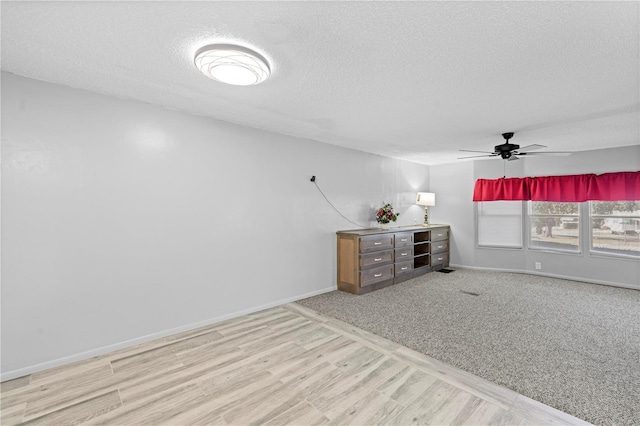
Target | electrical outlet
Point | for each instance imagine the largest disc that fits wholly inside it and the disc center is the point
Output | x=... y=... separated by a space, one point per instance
x=538 y=265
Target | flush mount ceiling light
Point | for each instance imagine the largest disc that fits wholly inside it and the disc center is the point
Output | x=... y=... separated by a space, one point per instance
x=232 y=64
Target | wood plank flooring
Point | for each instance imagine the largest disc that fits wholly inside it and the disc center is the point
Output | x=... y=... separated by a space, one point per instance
x=286 y=365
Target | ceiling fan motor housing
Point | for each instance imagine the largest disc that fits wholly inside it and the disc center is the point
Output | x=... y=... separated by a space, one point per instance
x=505 y=149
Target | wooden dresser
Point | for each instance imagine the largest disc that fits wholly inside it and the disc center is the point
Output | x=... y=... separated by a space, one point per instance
x=370 y=259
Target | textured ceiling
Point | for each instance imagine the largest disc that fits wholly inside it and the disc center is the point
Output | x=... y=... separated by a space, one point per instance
x=411 y=80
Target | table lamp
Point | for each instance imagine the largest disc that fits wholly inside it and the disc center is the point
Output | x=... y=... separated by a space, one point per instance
x=426 y=199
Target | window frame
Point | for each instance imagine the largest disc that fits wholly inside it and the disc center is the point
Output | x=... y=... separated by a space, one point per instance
x=500 y=247
x=596 y=252
x=530 y=220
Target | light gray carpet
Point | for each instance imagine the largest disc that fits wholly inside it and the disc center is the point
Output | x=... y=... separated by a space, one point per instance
x=571 y=345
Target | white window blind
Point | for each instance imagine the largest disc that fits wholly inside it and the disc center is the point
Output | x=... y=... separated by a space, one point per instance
x=499 y=224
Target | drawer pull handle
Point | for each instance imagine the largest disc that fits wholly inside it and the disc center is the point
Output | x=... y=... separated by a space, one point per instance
x=439 y=235
x=377 y=275
x=440 y=258
x=403 y=240
x=405 y=268
x=403 y=254
x=377 y=259
x=377 y=243
x=440 y=246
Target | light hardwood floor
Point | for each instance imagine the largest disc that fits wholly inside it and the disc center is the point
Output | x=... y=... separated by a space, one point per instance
x=286 y=365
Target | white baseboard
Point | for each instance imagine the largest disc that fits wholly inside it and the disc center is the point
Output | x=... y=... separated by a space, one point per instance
x=563 y=277
x=8 y=375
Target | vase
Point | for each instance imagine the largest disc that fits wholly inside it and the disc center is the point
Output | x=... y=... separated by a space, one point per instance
x=384 y=226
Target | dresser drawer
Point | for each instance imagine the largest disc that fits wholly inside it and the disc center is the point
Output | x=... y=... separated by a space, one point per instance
x=377 y=258
x=439 y=247
x=439 y=234
x=376 y=242
x=440 y=259
x=404 y=239
x=403 y=254
x=404 y=267
x=374 y=275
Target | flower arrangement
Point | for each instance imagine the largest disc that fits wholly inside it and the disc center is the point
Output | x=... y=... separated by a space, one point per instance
x=385 y=214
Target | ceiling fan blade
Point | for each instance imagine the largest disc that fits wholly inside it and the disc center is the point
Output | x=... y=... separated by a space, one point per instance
x=550 y=153
x=530 y=147
x=469 y=150
x=476 y=156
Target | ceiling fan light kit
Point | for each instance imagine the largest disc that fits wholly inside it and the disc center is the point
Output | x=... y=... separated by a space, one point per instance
x=510 y=151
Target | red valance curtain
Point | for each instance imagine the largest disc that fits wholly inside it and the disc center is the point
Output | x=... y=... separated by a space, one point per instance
x=501 y=189
x=572 y=188
x=619 y=186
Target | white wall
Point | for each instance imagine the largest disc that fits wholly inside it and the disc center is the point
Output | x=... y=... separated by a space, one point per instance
x=452 y=178
x=123 y=221
x=453 y=187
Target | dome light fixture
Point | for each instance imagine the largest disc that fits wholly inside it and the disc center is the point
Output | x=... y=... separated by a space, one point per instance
x=232 y=64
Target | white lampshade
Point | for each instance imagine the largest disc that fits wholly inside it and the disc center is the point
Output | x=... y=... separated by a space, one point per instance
x=426 y=199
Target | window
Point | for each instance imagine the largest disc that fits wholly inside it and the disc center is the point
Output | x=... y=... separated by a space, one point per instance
x=500 y=224
x=615 y=227
x=554 y=226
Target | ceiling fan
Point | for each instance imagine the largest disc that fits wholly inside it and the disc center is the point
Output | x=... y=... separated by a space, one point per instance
x=509 y=151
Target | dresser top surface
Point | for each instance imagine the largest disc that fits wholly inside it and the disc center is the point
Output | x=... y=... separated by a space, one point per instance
x=373 y=231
